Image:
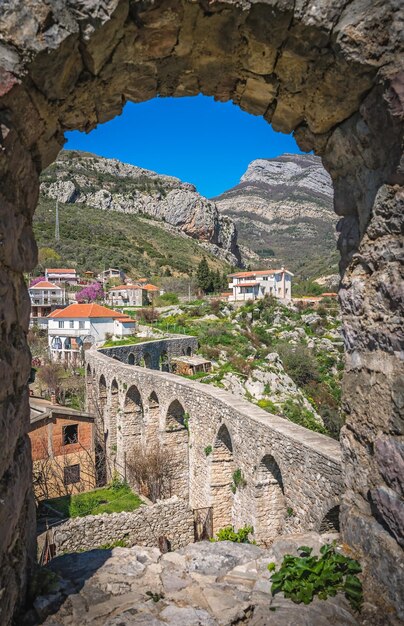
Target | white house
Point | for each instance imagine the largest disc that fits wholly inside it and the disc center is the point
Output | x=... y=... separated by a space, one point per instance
x=62 y=275
x=80 y=326
x=111 y=273
x=130 y=295
x=259 y=283
x=45 y=297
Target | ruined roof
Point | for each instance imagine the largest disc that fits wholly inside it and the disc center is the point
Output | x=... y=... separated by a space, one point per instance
x=123 y=287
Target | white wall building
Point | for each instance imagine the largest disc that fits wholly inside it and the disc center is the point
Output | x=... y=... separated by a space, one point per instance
x=259 y=283
x=80 y=326
x=62 y=275
x=45 y=297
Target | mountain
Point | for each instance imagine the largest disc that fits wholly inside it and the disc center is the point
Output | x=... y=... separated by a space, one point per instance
x=82 y=178
x=116 y=215
x=283 y=209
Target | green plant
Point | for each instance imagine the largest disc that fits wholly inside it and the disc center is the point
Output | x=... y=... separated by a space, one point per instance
x=302 y=577
x=290 y=512
x=228 y=534
x=118 y=543
x=208 y=450
x=238 y=480
x=155 y=596
x=185 y=420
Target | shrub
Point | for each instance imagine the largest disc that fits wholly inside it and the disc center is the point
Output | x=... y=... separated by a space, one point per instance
x=147 y=315
x=297 y=413
x=302 y=577
x=167 y=298
x=238 y=480
x=208 y=450
x=299 y=362
x=228 y=534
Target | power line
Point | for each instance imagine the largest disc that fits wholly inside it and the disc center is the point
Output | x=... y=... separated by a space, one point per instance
x=57 y=231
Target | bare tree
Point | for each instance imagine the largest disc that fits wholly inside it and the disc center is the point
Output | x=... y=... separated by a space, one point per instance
x=151 y=470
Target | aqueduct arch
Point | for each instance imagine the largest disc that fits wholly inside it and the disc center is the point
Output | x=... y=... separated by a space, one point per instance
x=328 y=71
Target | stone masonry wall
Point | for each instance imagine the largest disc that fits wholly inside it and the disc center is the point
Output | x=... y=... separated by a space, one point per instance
x=332 y=72
x=153 y=350
x=169 y=518
x=309 y=464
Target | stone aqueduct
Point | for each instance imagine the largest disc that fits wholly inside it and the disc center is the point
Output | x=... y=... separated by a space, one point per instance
x=329 y=71
x=292 y=476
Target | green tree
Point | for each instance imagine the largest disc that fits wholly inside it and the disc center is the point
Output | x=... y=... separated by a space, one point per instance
x=217 y=281
x=204 y=276
x=47 y=257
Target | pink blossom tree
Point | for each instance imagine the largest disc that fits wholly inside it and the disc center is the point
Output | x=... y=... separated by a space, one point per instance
x=36 y=280
x=91 y=293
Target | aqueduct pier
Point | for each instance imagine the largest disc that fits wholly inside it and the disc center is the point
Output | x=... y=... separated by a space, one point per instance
x=290 y=477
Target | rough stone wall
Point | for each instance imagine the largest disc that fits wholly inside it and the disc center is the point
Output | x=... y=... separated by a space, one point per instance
x=332 y=72
x=151 y=351
x=169 y=518
x=309 y=464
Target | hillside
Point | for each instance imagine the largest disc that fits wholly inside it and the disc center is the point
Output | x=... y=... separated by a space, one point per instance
x=283 y=209
x=85 y=181
x=92 y=238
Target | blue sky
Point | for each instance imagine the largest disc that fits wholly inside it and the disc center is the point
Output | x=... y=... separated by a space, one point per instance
x=203 y=142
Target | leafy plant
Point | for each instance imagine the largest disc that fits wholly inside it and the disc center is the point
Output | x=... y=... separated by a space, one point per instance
x=208 y=450
x=228 y=534
x=238 y=480
x=185 y=420
x=156 y=597
x=302 y=577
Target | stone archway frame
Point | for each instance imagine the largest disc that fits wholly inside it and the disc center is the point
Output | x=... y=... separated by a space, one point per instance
x=270 y=501
x=176 y=441
x=222 y=467
x=331 y=74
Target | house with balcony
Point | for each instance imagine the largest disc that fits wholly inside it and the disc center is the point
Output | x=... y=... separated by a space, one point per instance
x=76 y=328
x=62 y=275
x=45 y=297
x=260 y=283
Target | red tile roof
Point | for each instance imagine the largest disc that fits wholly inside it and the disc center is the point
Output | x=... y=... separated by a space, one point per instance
x=246 y=284
x=86 y=311
x=59 y=270
x=258 y=273
x=150 y=287
x=44 y=284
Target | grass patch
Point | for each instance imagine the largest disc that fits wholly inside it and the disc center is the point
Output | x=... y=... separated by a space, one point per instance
x=129 y=341
x=105 y=500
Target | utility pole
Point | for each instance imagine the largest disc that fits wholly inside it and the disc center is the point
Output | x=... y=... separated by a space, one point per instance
x=57 y=232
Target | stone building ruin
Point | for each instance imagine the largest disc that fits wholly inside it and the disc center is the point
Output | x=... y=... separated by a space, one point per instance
x=331 y=72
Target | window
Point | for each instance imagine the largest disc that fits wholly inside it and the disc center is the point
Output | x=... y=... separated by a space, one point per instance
x=71 y=324
x=61 y=324
x=71 y=474
x=81 y=325
x=70 y=434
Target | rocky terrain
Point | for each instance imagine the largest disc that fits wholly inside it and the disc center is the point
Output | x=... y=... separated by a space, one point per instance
x=283 y=209
x=203 y=584
x=286 y=359
x=108 y=184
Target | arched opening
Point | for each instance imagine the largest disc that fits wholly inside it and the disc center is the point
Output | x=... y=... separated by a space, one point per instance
x=164 y=364
x=189 y=351
x=223 y=468
x=269 y=500
x=330 y=521
x=147 y=360
x=130 y=425
x=102 y=397
x=111 y=434
x=131 y=359
x=329 y=75
x=177 y=441
x=153 y=420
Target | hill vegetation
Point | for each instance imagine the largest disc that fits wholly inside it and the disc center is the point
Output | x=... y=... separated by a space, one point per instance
x=94 y=239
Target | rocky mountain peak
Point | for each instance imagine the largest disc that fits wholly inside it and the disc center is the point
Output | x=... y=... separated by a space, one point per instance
x=109 y=184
